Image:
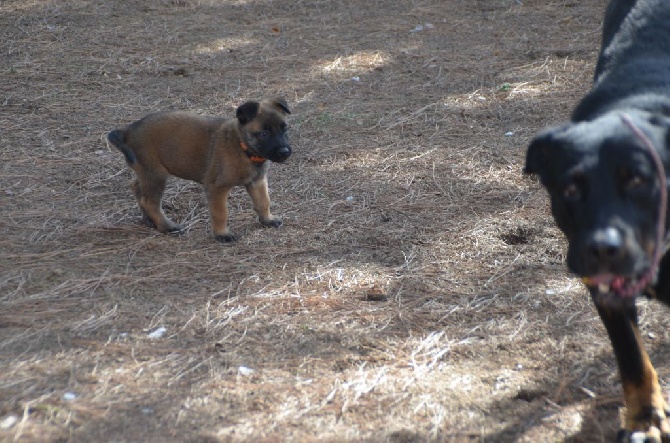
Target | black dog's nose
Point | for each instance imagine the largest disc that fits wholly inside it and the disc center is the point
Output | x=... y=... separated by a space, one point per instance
x=605 y=245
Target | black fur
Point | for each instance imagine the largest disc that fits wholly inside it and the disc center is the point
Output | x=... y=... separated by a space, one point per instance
x=281 y=104
x=115 y=137
x=633 y=66
x=247 y=112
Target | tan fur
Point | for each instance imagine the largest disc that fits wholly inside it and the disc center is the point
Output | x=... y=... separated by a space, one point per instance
x=207 y=150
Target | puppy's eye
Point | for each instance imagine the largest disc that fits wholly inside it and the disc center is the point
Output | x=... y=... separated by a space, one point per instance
x=263 y=134
x=571 y=192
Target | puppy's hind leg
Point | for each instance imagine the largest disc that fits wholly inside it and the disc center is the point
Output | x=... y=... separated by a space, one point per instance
x=148 y=189
x=217 y=198
x=137 y=190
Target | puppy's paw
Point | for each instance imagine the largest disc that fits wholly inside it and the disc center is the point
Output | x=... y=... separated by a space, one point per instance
x=146 y=220
x=174 y=229
x=273 y=222
x=225 y=238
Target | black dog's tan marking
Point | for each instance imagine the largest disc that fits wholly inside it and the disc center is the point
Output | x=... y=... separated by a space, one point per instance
x=218 y=153
x=605 y=193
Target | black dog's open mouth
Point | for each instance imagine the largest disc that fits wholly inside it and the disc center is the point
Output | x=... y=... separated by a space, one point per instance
x=603 y=285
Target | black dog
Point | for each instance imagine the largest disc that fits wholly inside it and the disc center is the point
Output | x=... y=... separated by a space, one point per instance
x=604 y=173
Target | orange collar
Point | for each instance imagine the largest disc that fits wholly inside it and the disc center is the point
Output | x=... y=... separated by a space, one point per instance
x=253 y=158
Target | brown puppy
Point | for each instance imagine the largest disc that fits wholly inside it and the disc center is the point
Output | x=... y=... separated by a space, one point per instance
x=219 y=153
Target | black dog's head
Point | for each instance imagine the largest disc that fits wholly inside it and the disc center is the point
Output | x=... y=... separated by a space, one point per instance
x=263 y=128
x=604 y=192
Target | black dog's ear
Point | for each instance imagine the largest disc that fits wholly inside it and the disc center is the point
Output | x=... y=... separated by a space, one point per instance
x=280 y=104
x=539 y=152
x=536 y=154
x=247 y=112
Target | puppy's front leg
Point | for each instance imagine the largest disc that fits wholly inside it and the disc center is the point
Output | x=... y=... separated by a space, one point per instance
x=217 y=199
x=258 y=191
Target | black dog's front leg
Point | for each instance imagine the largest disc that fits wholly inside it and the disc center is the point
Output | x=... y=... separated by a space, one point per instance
x=646 y=415
x=661 y=290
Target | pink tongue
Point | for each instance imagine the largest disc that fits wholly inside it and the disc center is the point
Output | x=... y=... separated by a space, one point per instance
x=617 y=284
x=608 y=279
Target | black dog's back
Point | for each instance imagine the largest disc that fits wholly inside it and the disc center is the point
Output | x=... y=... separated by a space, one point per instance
x=614 y=16
x=634 y=59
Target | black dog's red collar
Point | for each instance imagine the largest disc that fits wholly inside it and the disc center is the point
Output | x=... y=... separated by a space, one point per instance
x=253 y=158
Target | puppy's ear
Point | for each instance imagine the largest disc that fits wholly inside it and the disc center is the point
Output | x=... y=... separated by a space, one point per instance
x=540 y=150
x=247 y=112
x=280 y=104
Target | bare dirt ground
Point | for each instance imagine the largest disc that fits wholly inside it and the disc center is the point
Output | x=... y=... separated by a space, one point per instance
x=416 y=291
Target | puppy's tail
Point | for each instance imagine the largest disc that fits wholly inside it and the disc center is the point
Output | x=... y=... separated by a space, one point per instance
x=116 y=137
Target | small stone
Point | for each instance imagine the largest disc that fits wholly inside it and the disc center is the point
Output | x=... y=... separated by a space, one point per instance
x=243 y=370
x=158 y=333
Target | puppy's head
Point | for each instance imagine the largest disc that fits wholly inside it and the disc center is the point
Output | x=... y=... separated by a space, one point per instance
x=263 y=128
x=605 y=195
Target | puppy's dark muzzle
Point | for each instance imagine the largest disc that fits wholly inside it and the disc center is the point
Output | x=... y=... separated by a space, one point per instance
x=281 y=154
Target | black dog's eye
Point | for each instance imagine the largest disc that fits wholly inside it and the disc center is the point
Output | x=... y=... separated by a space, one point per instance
x=635 y=182
x=571 y=192
x=262 y=134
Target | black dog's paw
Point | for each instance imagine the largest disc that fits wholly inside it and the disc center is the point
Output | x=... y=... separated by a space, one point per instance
x=225 y=238
x=653 y=435
x=656 y=430
x=273 y=222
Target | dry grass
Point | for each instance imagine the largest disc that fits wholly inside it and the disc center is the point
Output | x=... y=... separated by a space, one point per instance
x=417 y=290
